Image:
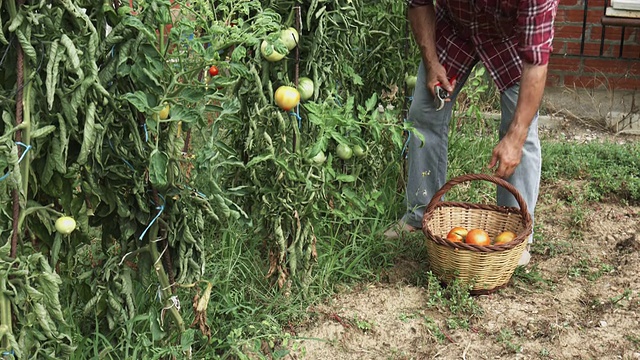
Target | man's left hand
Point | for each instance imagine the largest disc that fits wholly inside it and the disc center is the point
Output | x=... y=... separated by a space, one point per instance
x=506 y=156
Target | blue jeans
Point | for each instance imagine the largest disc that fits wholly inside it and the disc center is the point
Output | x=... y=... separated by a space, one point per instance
x=428 y=163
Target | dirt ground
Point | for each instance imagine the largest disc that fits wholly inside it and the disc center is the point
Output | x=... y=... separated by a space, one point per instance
x=579 y=298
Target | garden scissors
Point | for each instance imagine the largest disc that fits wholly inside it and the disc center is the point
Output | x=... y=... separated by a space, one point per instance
x=441 y=95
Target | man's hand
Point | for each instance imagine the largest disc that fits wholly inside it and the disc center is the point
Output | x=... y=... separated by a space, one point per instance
x=506 y=156
x=436 y=73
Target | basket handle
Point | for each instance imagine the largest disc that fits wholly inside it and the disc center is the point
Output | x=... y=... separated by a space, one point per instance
x=470 y=177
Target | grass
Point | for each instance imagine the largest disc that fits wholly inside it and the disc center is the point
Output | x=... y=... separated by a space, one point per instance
x=609 y=171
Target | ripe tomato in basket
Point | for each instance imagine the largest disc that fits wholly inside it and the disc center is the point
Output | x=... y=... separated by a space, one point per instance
x=504 y=237
x=478 y=237
x=457 y=234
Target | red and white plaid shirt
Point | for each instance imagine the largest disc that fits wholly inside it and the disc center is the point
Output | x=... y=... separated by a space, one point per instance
x=500 y=33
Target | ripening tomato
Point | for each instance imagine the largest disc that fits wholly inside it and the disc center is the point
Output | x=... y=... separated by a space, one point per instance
x=478 y=237
x=305 y=87
x=320 y=158
x=457 y=234
x=65 y=225
x=164 y=113
x=287 y=97
x=213 y=71
x=290 y=37
x=269 y=53
x=504 y=237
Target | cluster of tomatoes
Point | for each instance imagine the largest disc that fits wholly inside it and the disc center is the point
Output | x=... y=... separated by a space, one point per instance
x=478 y=236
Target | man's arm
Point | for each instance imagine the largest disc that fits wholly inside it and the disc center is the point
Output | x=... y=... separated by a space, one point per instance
x=535 y=22
x=508 y=152
x=422 y=19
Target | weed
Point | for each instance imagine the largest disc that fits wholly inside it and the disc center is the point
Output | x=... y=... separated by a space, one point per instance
x=584 y=269
x=404 y=317
x=362 y=324
x=530 y=276
x=454 y=298
x=456 y=322
x=544 y=352
x=506 y=338
x=635 y=340
x=552 y=248
x=434 y=330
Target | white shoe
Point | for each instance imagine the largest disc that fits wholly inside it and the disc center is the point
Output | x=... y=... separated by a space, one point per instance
x=525 y=258
x=399 y=229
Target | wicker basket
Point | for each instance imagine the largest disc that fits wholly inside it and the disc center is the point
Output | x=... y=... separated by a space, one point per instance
x=484 y=268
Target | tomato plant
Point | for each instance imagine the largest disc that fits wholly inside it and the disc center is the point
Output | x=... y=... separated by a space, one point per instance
x=113 y=97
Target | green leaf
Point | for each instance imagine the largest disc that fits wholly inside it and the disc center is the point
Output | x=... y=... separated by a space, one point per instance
x=137 y=99
x=43 y=131
x=134 y=22
x=345 y=178
x=156 y=330
x=158 y=165
x=259 y=159
x=89 y=135
x=184 y=114
x=238 y=53
x=371 y=102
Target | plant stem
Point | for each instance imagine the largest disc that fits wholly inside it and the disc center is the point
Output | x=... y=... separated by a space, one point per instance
x=5 y=314
x=163 y=278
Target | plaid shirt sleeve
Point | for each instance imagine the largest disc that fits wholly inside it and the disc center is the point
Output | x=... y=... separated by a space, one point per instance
x=416 y=3
x=535 y=26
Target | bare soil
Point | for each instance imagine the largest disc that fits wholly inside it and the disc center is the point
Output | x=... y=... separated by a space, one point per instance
x=579 y=298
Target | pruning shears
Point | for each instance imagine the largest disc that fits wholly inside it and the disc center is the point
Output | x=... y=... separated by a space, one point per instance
x=441 y=94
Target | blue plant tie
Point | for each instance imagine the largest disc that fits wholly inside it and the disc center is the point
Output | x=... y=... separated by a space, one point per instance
x=197 y=192
x=8 y=353
x=406 y=144
x=113 y=51
x=160 y=210
x=123 y=159
x=297 y=115
x=410 y=98
x=146 y=132
x=26 y=150
x=128 y=164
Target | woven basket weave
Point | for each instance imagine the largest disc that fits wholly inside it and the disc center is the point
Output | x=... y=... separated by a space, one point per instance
x=484 y=268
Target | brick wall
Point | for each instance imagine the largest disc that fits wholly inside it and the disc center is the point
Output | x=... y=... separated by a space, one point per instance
x=609 y=70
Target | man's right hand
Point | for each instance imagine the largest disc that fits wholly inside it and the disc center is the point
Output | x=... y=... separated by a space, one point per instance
x=436 y=73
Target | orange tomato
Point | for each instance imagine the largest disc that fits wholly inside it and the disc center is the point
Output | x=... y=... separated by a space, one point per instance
x=478 y=237
x=287 y=97
x=504 y=237
x=457 y=234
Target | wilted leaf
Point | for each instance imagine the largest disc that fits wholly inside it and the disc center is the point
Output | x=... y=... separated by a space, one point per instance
x=158 y=165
